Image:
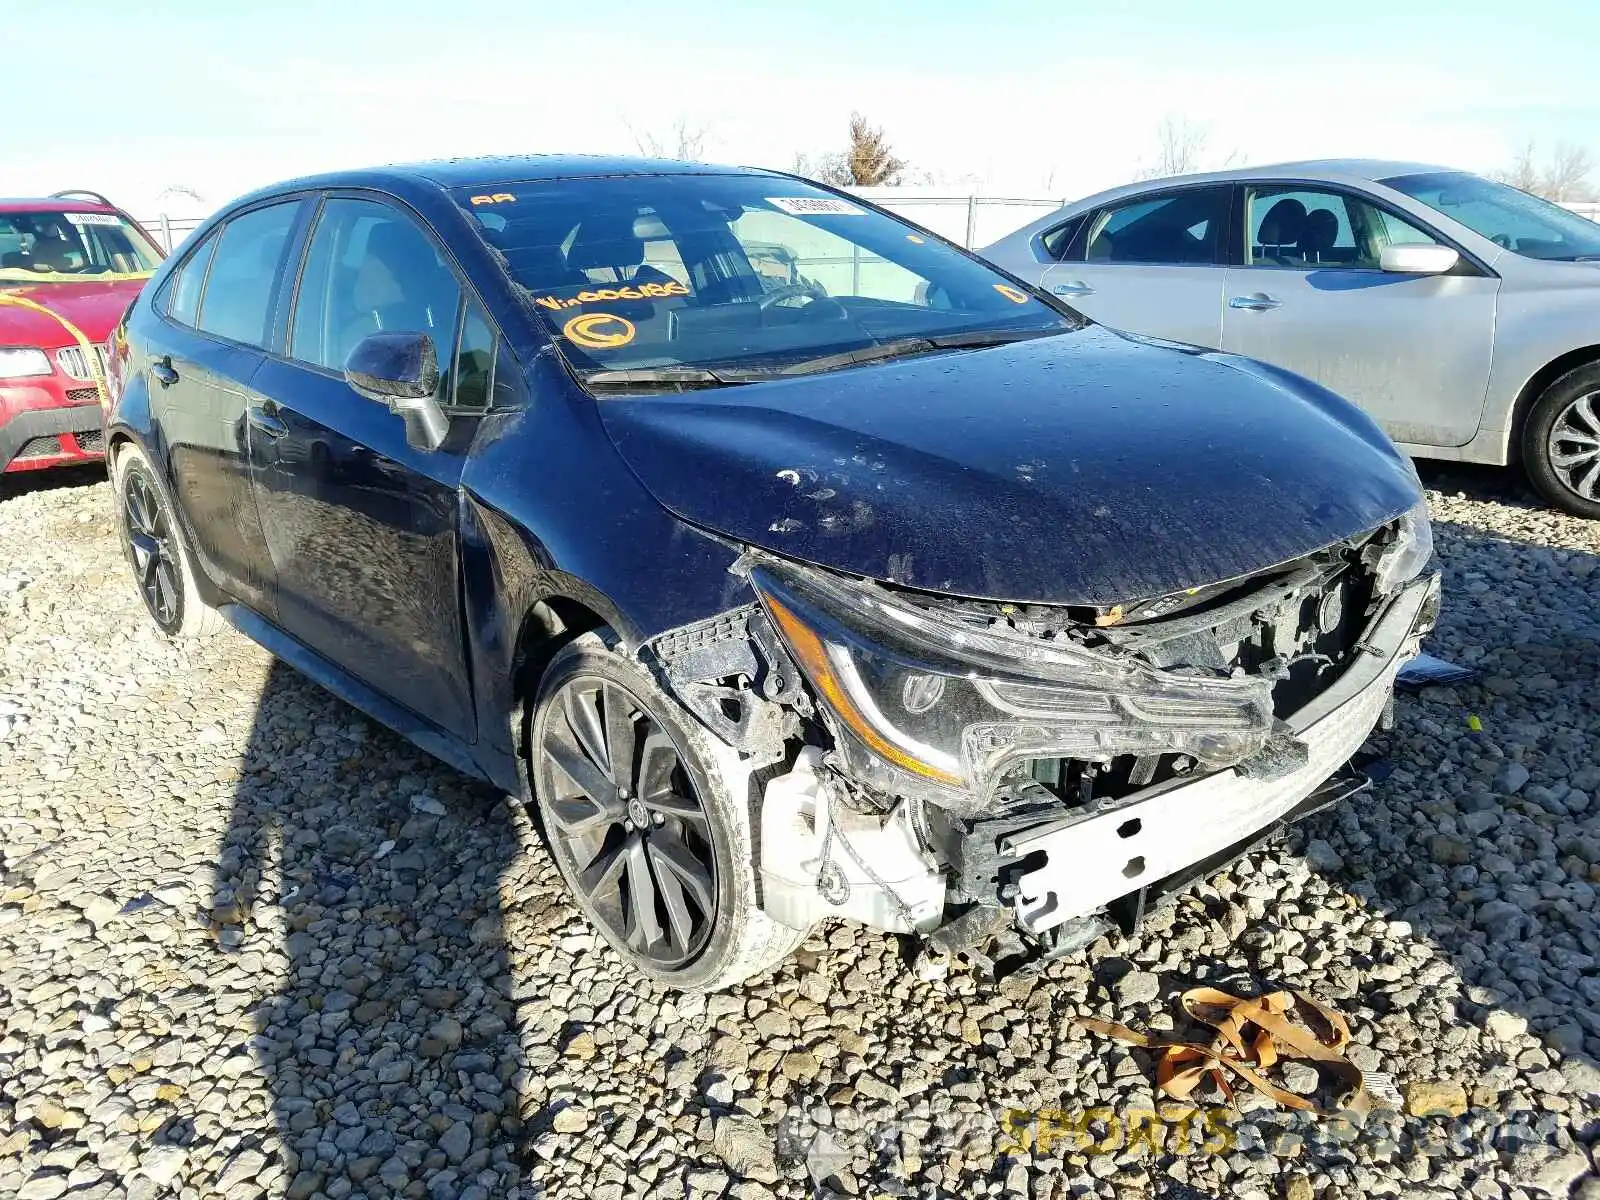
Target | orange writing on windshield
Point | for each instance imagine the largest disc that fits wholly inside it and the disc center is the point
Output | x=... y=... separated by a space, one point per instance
x=641 y=291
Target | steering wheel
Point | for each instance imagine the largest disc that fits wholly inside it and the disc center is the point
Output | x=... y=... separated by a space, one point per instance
x=1501 y=240
x=789 y=292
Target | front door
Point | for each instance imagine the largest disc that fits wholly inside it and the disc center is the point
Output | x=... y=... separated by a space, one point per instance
x=361 y=526
x=218 y=314
x=1151 y=265
x=1412 y=350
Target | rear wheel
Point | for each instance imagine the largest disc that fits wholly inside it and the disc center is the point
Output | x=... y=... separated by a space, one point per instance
x=649 y=823
x=153 y=544
x=1561 y=442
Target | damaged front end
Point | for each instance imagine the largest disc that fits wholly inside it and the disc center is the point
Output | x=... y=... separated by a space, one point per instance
x=949 y=766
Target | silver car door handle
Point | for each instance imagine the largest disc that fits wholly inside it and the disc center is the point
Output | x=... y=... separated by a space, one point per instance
x=1259 y=302
x=1073 y=287
x=264 y=422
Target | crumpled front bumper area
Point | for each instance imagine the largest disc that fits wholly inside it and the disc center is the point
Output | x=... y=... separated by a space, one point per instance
x=1074 y=866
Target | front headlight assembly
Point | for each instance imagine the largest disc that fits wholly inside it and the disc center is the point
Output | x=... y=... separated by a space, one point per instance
x=926 y=705
x=1403 y=558
x=24 y=362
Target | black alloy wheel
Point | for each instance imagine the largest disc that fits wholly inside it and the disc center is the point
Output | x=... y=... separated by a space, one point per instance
x=151 y=547
x=626 y=820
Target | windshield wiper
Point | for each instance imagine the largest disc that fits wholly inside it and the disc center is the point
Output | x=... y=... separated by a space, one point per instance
x=706 y=377
x=900 y=347
x=672 y=377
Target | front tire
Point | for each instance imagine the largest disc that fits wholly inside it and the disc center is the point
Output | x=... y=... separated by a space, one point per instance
x=152 y=542
x=1561 y=442
x=648 y=820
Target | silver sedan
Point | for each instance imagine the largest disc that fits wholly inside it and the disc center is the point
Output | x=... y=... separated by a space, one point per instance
x=1462 y=314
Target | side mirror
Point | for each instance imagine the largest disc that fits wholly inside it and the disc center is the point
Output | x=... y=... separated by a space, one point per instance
x=401 y=371
x=1418 y=259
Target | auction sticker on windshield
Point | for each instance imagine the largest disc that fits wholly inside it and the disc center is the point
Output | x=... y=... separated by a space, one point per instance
x=78 y=218
x=815 y=206
x=599 y=331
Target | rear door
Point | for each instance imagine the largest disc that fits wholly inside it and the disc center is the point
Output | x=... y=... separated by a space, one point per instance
x=218 y=311
x=362 y=527
x=1151 y=264
x=1413 y=350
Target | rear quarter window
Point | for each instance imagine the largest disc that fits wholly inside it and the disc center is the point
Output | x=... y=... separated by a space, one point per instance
x=182 y=299
x=1057 y=242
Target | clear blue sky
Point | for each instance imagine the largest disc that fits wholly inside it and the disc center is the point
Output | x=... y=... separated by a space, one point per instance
x=1036 y=98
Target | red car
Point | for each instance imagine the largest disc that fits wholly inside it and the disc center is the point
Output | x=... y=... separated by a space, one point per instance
x=69 y=267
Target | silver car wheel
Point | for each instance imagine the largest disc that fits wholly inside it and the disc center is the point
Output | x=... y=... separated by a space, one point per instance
x=1575 y=446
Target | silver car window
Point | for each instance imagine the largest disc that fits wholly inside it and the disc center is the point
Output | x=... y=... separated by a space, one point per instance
x=1178 y=227
x=1310 y=229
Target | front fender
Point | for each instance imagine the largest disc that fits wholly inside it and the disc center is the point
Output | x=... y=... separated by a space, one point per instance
x=550 y=512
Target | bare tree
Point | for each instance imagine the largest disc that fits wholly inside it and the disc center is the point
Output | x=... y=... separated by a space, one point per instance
x=685 y=140
x=1566 y=175
x=1524 y=169
x=872 y=163
x=1181 y=146
x=832 y=168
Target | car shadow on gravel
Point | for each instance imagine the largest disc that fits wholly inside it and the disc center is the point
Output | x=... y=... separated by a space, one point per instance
x=390 y=1047
x=22 y=483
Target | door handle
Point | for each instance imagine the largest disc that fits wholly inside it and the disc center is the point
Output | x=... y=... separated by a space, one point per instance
x=1073 y=287
x=162 y=369
x=264 y=422
x=1258 y=302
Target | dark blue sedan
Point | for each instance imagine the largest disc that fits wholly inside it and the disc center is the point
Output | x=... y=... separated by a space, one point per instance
x=788 y=560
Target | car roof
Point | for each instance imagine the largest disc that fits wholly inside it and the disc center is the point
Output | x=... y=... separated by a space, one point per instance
x=52 y=204
x=509 y=168
x=1331 y=169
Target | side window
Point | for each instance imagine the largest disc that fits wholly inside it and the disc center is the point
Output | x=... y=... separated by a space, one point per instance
x=183 y=294
x=1397 y=231
x=1319 y=230
x=474 y=361
x=369 y=269
x=507 y=379
x=238 y=290
x=1178 y=228
x=1056 y=242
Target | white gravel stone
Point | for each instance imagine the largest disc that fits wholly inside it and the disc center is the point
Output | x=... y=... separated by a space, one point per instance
x=321 y=964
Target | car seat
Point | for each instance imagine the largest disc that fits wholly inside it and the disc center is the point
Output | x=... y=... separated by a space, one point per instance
x=1279 y=237
x=397 y=286
x=607 y=242
x=1317 y=236
x=51 y=251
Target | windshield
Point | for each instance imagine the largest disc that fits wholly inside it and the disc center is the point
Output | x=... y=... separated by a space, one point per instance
x=1529 y=226
x=645 y=273
x=49 y=245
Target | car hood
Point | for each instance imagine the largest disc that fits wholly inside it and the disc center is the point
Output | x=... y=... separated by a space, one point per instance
x=94 y=308
x=1093 y=467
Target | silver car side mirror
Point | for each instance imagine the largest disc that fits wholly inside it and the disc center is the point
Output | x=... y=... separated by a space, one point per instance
x=1419 y=259
x=401 y=371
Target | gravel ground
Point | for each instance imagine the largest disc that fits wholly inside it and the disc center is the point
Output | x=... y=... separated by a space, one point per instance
x=253 y=944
